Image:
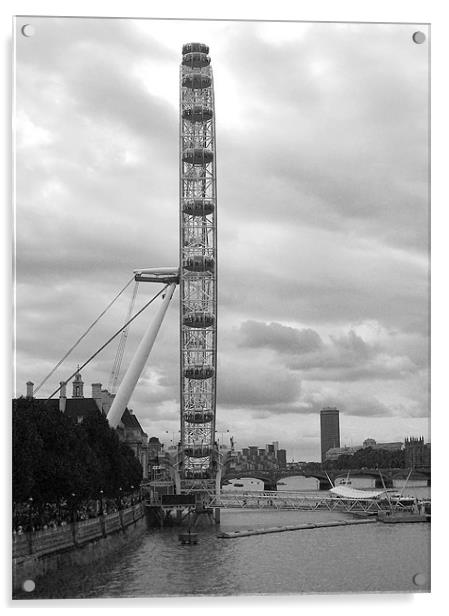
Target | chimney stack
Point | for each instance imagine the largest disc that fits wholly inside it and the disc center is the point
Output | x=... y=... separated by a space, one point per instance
x=97 y=395
x=30 y=386
x=62 y=396
x=108 y=399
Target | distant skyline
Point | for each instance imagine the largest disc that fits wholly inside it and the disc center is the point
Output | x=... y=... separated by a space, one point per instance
x=322 y=218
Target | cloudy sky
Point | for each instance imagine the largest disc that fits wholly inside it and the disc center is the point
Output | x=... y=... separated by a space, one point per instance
x=322 y=135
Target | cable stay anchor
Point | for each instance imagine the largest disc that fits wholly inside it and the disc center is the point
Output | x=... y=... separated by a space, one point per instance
x=138 y=362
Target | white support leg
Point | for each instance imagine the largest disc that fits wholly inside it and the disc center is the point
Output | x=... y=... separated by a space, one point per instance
x=138 y=362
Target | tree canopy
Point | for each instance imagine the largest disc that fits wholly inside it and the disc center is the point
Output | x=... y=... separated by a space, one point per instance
x=55 y=457
x=367 y=457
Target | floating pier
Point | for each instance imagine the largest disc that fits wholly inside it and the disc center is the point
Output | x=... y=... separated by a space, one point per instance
x=281 y=529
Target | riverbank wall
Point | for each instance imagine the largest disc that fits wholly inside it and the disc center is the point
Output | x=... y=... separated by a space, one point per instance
x=81 y=543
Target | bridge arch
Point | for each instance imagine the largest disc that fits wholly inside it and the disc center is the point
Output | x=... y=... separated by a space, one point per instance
x=269 y=482
x=311 y=482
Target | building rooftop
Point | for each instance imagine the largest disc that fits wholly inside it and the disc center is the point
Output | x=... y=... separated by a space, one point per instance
x=74 y=407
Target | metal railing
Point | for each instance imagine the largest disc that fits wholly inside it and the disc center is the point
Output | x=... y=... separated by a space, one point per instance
x=299 y=501
x=70 y=535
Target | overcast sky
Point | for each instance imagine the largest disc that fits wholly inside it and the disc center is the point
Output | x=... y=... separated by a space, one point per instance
x=322 y=155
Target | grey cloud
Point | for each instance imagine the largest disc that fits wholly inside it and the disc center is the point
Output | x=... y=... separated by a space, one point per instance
x=353 y=345
x=279 y=337
x=330 y=293
x=259 y=386
x=351 y=404
x=349 y=358
x=359 y=168
x=346 y=373
x=293 y=408
x=77 y=36
x=367 y=408
x=346 y=357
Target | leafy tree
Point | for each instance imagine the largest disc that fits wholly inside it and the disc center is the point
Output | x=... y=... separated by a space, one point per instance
x=367 y=457
x=27 y=447
x=131 y=469
x=54 y=457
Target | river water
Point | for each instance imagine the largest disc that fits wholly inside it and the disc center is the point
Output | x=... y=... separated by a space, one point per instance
x=365 y=558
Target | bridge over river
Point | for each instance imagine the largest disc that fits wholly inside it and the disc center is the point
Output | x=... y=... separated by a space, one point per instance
x=382 y=477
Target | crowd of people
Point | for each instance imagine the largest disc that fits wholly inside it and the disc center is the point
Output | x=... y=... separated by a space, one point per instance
x=30 y=517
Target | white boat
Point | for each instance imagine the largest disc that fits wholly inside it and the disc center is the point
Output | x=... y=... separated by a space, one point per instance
x=348 y=493
x=355 y=494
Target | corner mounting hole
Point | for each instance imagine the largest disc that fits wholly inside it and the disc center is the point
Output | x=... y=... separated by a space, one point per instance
x=28 y=30
x=28 y=585
x=419 y=37
x=419 y=579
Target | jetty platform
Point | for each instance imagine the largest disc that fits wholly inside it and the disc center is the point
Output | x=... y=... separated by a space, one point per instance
x=281 y=529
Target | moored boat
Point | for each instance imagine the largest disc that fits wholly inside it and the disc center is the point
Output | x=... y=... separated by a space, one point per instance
x=401 y=517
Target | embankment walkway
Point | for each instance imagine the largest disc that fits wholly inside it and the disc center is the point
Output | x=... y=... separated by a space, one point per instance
x=39 y=552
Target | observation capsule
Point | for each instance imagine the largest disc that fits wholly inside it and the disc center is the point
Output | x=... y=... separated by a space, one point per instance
x=197 y=156
x=199 y=263
x=196 y=59
x=195 y=47
x=199 y=319
x=199 y=372
x=198 y=207
x=197 y=451
x=197 y=113
x=198 y=416
x=196 y=81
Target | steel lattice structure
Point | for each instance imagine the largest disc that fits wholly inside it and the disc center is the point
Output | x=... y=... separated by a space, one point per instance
x=198 y=271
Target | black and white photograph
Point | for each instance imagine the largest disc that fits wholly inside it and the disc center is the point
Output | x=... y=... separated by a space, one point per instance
x=221 y=308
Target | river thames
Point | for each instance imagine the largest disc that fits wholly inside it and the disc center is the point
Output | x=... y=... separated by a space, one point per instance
x=367 y=558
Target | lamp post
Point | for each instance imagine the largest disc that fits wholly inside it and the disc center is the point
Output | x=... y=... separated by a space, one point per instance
x=72 y=506
x=222 y=432
x=102 y=519
x=73 y=516
x=29 y=529
x=120 y=498
x=172 y=441
x=30 y=513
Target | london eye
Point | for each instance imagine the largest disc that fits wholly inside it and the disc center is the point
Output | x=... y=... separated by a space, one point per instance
x=196 y=467
x=198 y=271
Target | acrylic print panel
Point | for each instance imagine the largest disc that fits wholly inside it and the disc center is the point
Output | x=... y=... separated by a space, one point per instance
x=285 y=197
